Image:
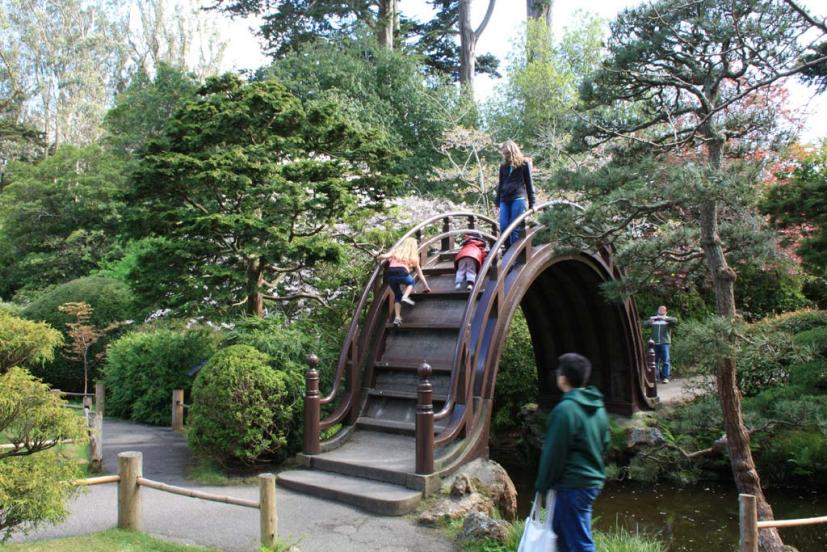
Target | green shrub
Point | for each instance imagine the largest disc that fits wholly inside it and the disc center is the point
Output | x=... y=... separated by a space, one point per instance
x=799 y=454
x=244 y=411
x=621 y=539
x=794 y=322
x=517 y=377
x=35 y=478
x=762 y=291
x=112 y=302
x=810 y=375
x=815 y=338
x=26 y=343
x=144 y=367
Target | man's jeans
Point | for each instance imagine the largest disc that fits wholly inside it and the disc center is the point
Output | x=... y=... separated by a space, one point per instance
x=572 y=520
x=509 y=211
x=662 y=360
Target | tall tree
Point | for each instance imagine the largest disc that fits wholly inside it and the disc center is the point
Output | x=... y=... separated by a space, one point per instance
x=468 y=38
x=436 y=39
x=290 y=24
x=65 y=55
x=58 y=216
x=245 y=186
x=676 y=74
x=539 y=12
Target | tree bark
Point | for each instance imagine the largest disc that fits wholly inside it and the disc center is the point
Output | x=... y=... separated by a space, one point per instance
x=468 y=38
x=744 y=472
x=540 y=9
x=255 y=279
x=386 y=24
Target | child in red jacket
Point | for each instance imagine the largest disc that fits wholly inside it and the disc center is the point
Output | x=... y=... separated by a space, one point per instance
x=469 y=260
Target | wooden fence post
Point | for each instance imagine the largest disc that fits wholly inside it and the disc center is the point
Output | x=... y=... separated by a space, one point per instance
x=178 y=410
x=424 y=421
x=312 y=406
x=267 y=505
x=100 y=397
x=96 y=441
x=129 y=492
x=748 y=511
x=651 y=369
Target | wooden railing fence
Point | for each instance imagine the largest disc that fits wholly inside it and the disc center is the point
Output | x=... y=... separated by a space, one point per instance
x=178 y=406
x=750 y=525
x=130 y=480
x=92 y=406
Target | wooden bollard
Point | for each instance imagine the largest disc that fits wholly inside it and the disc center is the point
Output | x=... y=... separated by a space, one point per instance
x=178 y=410
x=424 y=421
x=312 y=405
x=100 y=397
x=129 y=492
x=96 y=441
x=267 y=505
x=748 y=522
x=651 y=369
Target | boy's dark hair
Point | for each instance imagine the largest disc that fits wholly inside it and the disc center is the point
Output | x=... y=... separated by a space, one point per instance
x=576 y=368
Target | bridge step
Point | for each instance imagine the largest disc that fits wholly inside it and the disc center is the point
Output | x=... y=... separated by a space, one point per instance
x=392 y=426
x=396 y=394
x=407 y=366
x=373 y=496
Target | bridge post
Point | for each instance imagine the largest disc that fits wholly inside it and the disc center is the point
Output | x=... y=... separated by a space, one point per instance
x=424 y=421
x=651 y=369
x=312 y=404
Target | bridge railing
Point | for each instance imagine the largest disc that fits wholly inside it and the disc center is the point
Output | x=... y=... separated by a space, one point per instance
x=466 y=357
x=367 y=315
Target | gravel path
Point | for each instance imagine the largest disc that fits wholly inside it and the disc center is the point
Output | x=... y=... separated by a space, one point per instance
x=313 y=524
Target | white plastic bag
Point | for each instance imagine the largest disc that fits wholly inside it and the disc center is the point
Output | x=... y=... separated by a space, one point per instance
x=538 y=535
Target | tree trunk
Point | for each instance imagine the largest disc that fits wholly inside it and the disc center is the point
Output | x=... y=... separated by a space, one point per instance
x=386 y=23
x=255 y=279
x=467 y=49
x=540 y=9
x=744 y=472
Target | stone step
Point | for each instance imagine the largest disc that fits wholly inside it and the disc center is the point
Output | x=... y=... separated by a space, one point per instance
x=373 y=496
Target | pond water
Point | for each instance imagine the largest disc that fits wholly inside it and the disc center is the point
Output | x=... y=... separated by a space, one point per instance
x=703 y=517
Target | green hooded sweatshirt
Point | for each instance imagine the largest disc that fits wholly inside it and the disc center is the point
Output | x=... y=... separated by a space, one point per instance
x=577 y=438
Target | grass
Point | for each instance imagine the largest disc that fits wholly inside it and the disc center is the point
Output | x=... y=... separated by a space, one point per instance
x=113 y=540
x=618 y=539
x=205 y=472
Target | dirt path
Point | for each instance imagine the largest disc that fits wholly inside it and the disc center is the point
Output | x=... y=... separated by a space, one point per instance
x=313 y=524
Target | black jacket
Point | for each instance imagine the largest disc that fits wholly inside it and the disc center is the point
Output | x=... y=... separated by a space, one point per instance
x=516 y=184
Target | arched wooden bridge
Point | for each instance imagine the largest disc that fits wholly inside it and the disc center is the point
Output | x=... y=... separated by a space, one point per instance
x=389 y=446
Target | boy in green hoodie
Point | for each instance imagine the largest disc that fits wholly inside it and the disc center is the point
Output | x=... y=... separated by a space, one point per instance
x=576 y=441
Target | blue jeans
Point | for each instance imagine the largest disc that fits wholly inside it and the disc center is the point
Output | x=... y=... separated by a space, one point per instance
x=572 y=521
x=662 y=356
x=509 y=211
x=396 y=278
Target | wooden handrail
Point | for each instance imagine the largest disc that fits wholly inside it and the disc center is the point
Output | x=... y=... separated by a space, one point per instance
x=355 y=331
x=461 y=349
x=102 y=480
x=749 y=523
x=183 y=491
x=791 y=522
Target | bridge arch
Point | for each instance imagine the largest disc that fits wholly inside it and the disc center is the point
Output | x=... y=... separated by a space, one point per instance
x=561 y=299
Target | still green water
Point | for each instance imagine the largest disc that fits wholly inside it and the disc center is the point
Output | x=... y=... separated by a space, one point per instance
x=700 y=518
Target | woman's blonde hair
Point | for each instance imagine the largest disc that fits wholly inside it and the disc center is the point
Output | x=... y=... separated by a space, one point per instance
x=512 y=154
x=407 y=252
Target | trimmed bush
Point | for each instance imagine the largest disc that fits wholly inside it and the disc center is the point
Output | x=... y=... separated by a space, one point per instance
x=112 y=302
x=243 y=411
x=143 y=367
x=810 y=375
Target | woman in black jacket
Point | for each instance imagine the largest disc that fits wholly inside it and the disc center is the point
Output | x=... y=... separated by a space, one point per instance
x=514 y=187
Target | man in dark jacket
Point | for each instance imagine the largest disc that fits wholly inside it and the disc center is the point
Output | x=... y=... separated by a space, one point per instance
x=662 y=335
x=572 y=464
